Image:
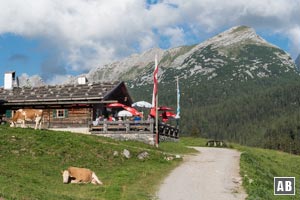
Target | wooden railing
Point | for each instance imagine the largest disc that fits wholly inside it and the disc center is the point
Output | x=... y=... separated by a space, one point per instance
x=122 y=126
x=168 y=130
x=104 y=127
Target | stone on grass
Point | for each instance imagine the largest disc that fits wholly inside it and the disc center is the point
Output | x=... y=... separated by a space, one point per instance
x=116 y=153
x=126 y=153
x=169 y=158
x=143 y=155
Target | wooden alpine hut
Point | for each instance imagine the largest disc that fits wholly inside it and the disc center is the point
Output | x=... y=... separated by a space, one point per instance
x=64 y=106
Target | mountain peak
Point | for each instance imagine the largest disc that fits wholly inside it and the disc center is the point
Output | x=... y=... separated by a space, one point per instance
x=236 y=35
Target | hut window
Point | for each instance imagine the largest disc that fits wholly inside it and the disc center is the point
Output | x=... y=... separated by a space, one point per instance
x=60 y=113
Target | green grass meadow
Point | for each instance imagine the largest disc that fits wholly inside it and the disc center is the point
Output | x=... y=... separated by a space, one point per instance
x=260 y=166
x=31 y=163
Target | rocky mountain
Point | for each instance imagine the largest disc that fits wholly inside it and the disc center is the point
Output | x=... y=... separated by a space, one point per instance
x=297 y=61
x=236 y=54
x=226 y=60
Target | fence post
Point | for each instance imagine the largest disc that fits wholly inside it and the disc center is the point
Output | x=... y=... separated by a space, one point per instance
x=151 y=126
x=105 y=127
x=127 y=126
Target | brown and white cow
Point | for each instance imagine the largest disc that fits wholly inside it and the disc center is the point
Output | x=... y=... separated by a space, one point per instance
x=80 y=175
x=23 y=115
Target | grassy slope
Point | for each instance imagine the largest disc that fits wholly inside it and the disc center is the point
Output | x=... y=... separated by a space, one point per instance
x=260 y=166
x=31 y=162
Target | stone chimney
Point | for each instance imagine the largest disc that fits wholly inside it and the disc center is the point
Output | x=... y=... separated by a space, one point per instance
x=10 y=80
x=82 y=80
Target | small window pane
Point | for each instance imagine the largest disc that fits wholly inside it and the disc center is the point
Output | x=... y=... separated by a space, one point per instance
x=60 y=113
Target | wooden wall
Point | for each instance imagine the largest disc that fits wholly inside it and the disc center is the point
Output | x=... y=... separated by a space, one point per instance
x=72 y=117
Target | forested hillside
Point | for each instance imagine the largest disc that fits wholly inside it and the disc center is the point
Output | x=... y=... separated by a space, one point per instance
x=262 y=112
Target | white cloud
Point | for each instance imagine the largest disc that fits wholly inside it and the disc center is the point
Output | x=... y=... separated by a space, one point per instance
x=100 y=30
x=89 y=33
x=176 y=36
x=213 y=16
x=294 y=34
x=147 y=42
x=58 y=79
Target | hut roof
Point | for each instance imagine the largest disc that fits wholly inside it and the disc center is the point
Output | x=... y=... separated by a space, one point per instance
x=66 y=94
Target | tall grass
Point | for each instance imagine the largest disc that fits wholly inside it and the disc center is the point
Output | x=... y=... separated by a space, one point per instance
x=260 y=166
x=31 y=163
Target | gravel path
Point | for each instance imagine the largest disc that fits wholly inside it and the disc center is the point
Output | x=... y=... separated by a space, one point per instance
x=212 y=174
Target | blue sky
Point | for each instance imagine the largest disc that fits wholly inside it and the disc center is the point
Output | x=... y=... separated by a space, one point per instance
x=54 y=38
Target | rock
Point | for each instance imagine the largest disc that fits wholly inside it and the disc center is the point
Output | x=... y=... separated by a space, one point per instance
x=126 y=153
x=143 y=155
x=169 y=158
x=237 y=180
x=116 y=153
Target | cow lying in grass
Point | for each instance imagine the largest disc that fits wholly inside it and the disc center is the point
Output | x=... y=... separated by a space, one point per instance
x=80 y=175
x=23 y=115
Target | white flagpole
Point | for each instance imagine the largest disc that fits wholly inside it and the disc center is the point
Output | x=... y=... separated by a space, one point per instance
x=156 y=108
x=177 y=117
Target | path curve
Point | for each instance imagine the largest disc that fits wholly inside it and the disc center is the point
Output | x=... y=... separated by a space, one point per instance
x=212 y=174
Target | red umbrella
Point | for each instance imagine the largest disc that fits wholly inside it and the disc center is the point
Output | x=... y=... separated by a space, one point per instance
x=168 y=114
x=132 y=110
x=115 y=105
x=164 y=108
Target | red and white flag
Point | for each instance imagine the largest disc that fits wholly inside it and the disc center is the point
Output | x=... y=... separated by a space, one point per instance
x=155 y=89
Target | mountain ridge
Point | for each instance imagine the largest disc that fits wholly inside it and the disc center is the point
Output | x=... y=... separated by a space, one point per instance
x=205 y=58
x=236 y=47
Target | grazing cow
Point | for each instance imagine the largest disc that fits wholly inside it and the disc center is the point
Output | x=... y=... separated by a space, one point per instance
x=80 y=175
x=27 y=115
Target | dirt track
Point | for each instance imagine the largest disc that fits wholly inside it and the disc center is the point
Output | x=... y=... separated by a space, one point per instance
x=212 y=174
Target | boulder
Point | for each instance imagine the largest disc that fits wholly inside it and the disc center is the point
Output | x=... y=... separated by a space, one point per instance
x=126 y=153
x=143 y=155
